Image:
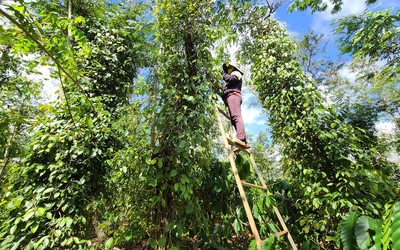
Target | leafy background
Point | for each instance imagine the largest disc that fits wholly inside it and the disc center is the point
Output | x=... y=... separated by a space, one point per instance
x=127 y=155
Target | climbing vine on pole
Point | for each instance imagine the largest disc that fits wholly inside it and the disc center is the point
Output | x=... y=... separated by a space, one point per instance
x=322 y=155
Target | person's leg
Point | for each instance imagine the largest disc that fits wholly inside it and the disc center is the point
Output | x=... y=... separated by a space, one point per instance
x=229 y=110
x=234 y=102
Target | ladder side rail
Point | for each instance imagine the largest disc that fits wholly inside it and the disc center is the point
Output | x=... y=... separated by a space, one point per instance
x=276 y=210
x=283 y=224
x=238 y=182
x=258 y=172
x=223 y=113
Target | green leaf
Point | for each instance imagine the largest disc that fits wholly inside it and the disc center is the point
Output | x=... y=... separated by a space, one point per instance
x=364 y=223
x=41 y=211
x=182 y=145
x=79 y=19
x=28 y=215
x=6 y=243
x=109 y=243
x=253 y=245
x=169 y=227
x=69 y=241
x=48 y=190
x=162 y=242
x=386 y=226
x=68 y=221
x=16 y=245
x=57 y=233
x=173 y=173
x=13 y=228
x=153 y=243
x=378 y=236
x=267 y=245
x=34 y=228
x=49 y=216
x=347 y=231
x=160 y=163
x=89 y=123
x=17 y=201
x=185 y=179
x=268 y=200
x=189 y=208
x=237 y=226
x=395 y=226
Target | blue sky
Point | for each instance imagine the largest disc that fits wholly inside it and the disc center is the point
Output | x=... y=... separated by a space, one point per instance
x=299 y=23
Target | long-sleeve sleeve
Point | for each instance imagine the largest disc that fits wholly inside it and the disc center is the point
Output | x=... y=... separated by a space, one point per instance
x=233 y=82
x=232 y=77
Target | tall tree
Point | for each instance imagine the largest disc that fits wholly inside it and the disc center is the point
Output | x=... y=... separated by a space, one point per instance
x=328 y=169
x=18 y=107
x=373 y=37
x=318 y=5
x=65 y=170
x=107 y=165
x=183 y=126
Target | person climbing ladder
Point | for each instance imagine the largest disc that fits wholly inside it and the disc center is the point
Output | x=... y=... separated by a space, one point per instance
x=232 y=97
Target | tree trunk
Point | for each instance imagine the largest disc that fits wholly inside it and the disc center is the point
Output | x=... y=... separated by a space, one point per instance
x=7 y=152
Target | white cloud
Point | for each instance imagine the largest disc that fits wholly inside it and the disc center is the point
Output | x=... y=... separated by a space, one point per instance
x=49 y=84
x=4 y=21
x=294 y=34
x=393 y=156
x=233 y=49
x=387 y=131
x=321 y=20
x=386 y=127
x=346 y=73
x=252 y=115
x=349 y=7
x=5 y=3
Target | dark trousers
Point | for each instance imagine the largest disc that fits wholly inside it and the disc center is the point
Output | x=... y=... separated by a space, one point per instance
x=233 y=101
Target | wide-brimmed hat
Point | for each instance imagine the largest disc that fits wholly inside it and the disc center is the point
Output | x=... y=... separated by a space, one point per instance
x=236 y=65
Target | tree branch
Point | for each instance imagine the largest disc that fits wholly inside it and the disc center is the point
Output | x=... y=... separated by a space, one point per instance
x=7 y=152
x=45 y=51
x=65 y=96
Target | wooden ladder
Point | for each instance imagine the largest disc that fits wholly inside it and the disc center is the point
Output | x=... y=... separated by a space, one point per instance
x=241 y=183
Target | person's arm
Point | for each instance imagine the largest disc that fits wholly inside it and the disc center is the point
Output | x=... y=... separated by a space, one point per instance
x=235 y=76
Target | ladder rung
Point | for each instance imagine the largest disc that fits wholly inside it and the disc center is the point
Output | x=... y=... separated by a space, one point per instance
x=253 y=186
x=241 y=183
x=224 y=113
x=230 y=142
x=281 y=233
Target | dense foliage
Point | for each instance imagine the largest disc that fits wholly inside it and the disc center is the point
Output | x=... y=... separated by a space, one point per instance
x=322 y=153
x=49 y=203
x=127 y=155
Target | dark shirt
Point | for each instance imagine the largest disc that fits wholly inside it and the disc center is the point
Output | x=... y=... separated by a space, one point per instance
x=233 y=83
